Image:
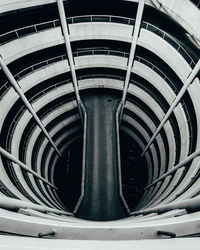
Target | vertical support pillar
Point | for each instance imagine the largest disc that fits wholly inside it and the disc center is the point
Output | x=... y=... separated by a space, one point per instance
x=101 y=200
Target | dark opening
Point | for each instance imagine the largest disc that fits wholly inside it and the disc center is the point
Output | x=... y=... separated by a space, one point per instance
x=133 y=170
x=68 y=172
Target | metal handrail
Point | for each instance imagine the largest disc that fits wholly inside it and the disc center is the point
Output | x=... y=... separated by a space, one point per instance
x=35 y=66
x=35 y=97
x=52 y=60
x=44 y=91
x=153 y=67
x=100 y=52
x=13 y=34
x=12 y=127
x=166 y=78
x=168 y=38
x=96 y=18
x=121 y=78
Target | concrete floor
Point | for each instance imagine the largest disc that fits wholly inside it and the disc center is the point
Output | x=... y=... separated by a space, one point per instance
x=12 y=243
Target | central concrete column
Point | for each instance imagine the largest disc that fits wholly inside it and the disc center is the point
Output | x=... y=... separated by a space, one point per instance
x=101 y=198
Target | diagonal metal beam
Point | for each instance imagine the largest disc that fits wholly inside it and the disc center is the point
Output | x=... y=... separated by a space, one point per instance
x=26 y=102
x=22 y=165
x=15 y=204
x=135 y=36
x=189 y=80
x=65 y=30
x=179 y=165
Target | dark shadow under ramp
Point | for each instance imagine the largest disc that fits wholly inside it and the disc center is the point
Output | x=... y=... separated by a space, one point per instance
x=101 y=186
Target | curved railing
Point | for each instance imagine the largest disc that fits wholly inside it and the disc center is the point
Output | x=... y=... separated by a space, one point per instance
x=47 y=89
x=20 y=112
x=38 y=65
x=94 y=76
x=12 y=126
x=44 y=63
x=17 y=33
x=158 y=71
x=171 y=40
x=5 y=87
x=101 y=52
x=14 y=34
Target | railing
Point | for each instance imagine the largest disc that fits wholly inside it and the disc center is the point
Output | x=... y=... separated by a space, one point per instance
x=116 y=77
x=4 y=88
x=101 y=18
x=29 y=134
x=47 y=89
x=67 y=81
x=170 y=40
x=55 y=106
x=17 y=33
x=190 y=126
x=157 y=70
x=22 y=109
x=44 y=63
x=101 y=52
x=38 y=65
x=12 y=127
x=25 y=142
